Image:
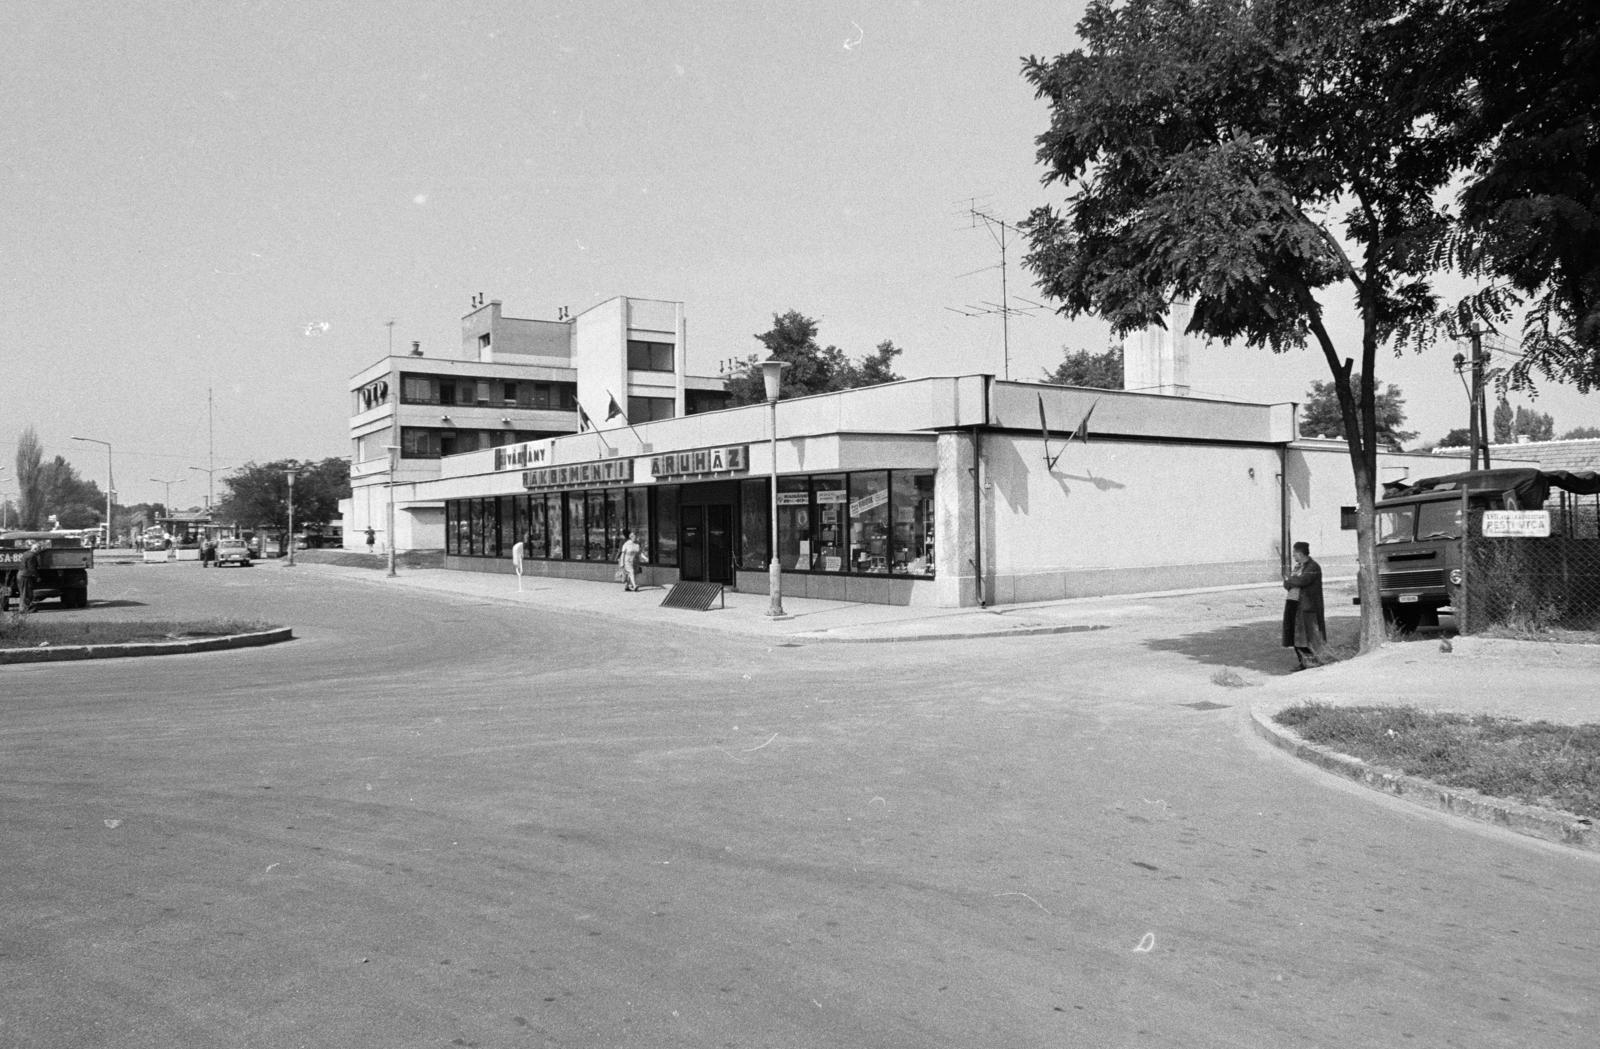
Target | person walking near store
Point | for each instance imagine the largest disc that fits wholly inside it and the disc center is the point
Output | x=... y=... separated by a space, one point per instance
x=632 y=557
x=517 y=553
x=28 y=576
x=372 y=538
x=1304 y=628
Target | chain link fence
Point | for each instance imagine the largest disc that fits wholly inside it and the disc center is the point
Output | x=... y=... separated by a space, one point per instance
x=1534 y=584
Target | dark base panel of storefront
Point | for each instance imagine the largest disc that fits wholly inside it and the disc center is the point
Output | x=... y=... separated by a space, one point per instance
x=866 y=590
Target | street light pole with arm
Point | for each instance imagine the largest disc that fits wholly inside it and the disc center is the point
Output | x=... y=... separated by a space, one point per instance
x=110 y=480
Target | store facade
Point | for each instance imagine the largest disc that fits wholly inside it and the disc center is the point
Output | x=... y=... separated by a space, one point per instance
x=944 y=492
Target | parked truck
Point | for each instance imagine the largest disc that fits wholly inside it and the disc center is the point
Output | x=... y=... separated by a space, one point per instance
x=64 y=564
x=1420 y=526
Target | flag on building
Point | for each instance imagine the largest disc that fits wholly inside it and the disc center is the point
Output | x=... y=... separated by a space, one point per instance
x=1082 y=432
x=583 y=420
x=614 y=410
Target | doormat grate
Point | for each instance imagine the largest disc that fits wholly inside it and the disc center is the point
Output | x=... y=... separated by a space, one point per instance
x=696 y=597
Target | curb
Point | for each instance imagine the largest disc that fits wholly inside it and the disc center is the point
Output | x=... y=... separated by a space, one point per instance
x=1551 y=825
x=62 y=653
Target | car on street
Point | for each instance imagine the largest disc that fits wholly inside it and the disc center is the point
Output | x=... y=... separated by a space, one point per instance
x=232 y=552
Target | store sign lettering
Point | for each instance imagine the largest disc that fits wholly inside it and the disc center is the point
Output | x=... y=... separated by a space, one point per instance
x=580 y=475
x=518 y=456
x=702 y=461
x=374 y=394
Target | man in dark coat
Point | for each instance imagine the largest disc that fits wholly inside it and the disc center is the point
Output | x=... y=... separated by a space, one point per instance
x=28 y=576
x=1304 y=628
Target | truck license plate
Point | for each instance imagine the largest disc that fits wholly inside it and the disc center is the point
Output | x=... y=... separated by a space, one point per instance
x=1408 y=599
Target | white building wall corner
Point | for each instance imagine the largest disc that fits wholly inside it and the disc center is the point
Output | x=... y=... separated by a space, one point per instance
x=956 y=523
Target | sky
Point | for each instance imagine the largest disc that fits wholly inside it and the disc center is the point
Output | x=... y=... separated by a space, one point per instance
x=216 y=213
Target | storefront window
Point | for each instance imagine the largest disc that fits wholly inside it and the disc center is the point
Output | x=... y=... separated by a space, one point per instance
x=555 y=520
x=911 y=553
x=869 y=522
x=508 y=522
x=577 y=526
x=598 y=526
x=794 y=523
x=639 y=517
x=616 y=521
x=667 y=524
x=534 y=529
x=829 y=498
x=755 y=531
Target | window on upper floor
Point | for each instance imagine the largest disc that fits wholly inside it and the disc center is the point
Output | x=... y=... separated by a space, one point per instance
x=418 y=389
x=646 y=409
x=483 y=341
x=649 y=356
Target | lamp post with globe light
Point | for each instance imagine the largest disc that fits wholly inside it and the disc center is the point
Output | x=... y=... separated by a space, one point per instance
x=772 y=379
x=290 y=475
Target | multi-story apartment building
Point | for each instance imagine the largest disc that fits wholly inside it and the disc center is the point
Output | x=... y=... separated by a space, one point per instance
x=512 y=380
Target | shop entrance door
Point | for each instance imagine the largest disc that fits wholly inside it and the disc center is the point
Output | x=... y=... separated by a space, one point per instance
x=705 y=551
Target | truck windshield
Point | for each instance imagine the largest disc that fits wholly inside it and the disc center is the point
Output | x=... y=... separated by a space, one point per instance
x=1397 y=525
x=1439 y=520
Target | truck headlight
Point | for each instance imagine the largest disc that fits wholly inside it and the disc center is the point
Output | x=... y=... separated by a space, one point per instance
x=1455 y=577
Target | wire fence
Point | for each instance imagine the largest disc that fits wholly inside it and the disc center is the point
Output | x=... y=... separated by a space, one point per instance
x=1534 y=584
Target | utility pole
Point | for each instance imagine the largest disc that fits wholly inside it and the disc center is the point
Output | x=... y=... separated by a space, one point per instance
x=1480 y=369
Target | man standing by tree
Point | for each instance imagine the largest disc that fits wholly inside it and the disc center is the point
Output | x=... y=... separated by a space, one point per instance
x=1249 y=156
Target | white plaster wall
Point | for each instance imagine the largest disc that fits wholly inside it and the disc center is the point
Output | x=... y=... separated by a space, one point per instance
x=1124 y=516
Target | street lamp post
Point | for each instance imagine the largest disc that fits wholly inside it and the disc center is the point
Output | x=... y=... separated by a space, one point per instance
x=167 y=502
x=110 y=481
x=772 y=379
x=290 y=475
x=393 y=450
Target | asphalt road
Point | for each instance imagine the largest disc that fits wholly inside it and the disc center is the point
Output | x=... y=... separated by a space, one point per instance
x=434 y=821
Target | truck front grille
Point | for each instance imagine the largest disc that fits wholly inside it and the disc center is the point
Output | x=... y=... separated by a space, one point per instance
x=1415 y=579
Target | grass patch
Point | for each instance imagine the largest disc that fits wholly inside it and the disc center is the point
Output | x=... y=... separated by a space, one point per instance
x=1533 y=762
x=377 y=561
x=20 y=631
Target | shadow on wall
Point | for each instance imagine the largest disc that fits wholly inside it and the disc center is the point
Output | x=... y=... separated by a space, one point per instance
x=1013 y=472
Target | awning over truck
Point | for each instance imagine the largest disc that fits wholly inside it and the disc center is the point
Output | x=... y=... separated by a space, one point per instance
x=1526 y=487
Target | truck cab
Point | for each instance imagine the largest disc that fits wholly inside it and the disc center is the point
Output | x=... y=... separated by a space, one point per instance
x=1420 y=526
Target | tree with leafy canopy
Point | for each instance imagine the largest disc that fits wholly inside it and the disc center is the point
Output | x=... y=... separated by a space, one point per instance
x=1320 y=415
x=257 y=496
x=1253 y=157
x=1460 y=437
x=1099 y=371
x=31 y=491
x=1581 y=433
x=1530 y=209
x=1510 y=425
x=1504 y=417
x=812 y=368
x=76 y=503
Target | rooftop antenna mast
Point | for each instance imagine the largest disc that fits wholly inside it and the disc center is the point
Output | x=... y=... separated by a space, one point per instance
x=999 y=229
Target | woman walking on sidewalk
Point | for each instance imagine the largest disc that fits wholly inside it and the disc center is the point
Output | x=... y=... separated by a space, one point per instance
x=632 y=556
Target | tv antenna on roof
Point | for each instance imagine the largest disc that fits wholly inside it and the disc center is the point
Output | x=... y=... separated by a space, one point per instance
x=999 y=230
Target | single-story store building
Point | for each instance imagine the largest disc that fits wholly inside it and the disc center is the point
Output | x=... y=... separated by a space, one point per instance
x=944 y=492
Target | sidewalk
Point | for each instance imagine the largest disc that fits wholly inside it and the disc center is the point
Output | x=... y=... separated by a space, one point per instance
x=806 y=619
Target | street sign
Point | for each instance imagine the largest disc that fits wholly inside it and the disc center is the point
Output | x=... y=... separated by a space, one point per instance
x=1516 y=524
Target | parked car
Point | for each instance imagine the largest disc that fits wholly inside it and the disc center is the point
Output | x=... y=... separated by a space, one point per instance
x=232 y=552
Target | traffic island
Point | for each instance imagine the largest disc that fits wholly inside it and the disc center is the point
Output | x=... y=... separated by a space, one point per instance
x=29 y=643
